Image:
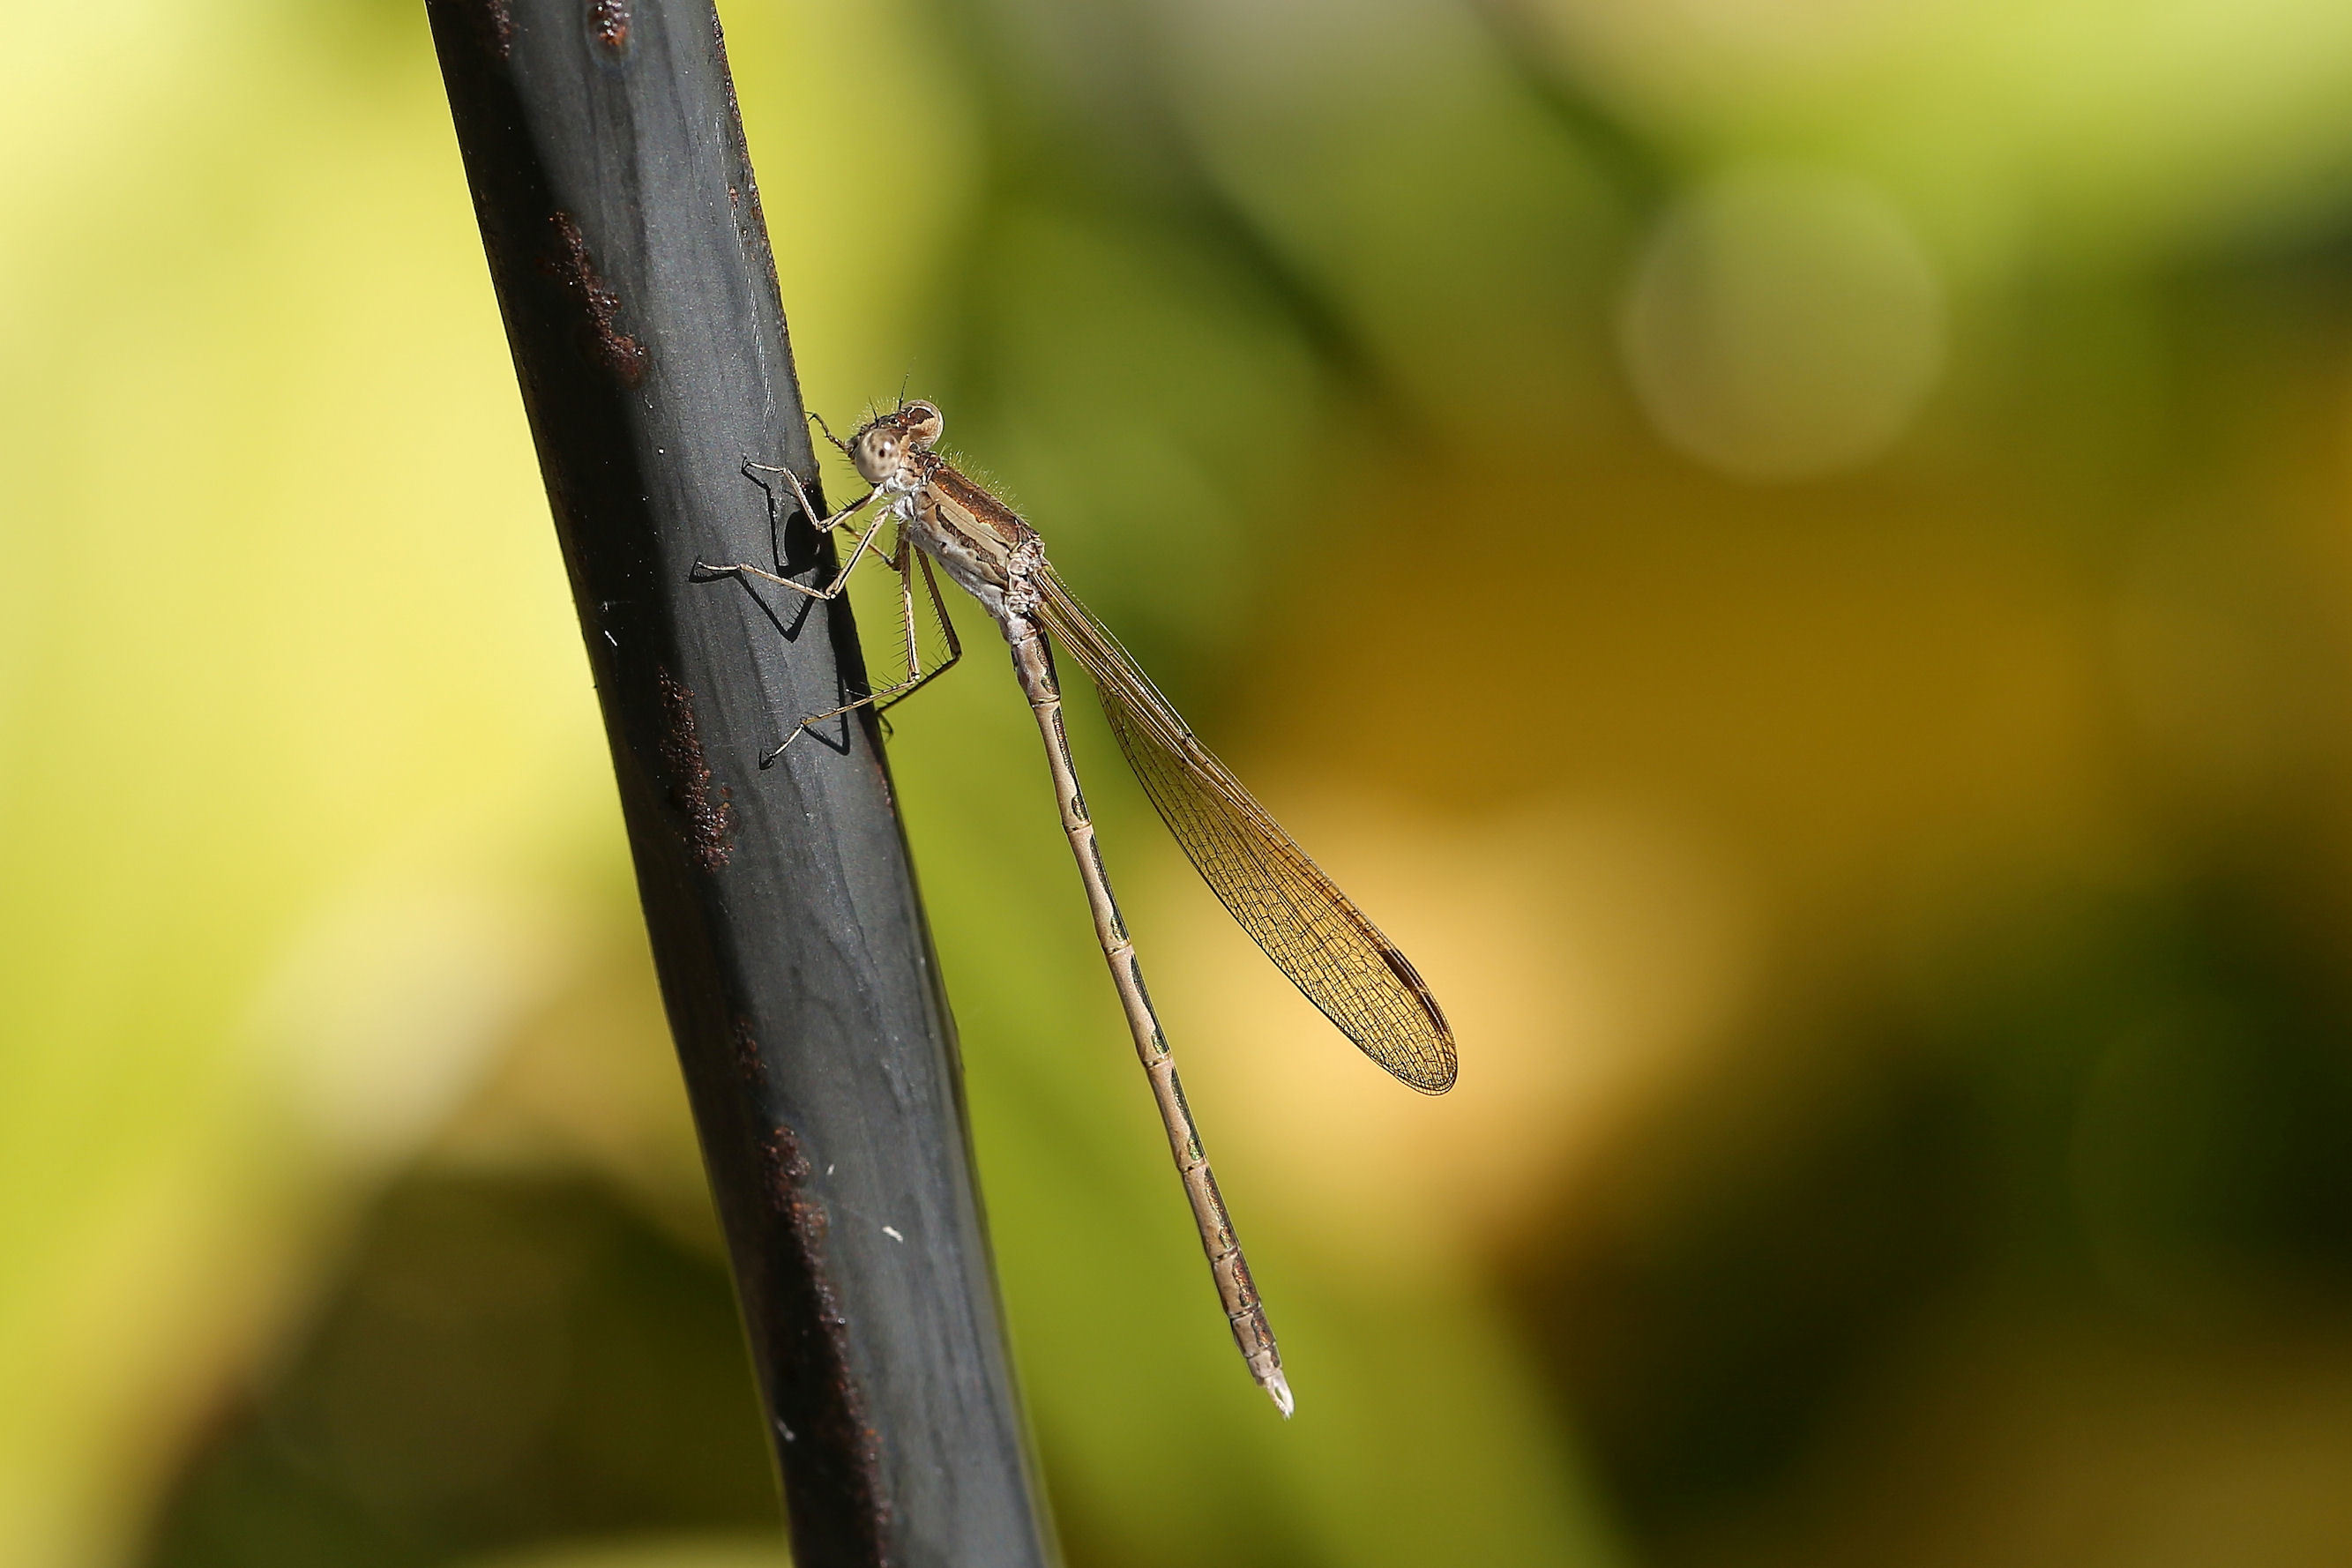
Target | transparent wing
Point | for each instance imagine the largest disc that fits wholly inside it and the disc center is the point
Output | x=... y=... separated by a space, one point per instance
x=1310 y=928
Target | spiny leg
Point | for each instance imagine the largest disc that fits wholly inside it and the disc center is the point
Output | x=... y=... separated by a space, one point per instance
x=753 y=469
x=904 y=560
x=939 y=613
x=840 y=443
x=808 y=508
x=906 y=602
x=841 y=579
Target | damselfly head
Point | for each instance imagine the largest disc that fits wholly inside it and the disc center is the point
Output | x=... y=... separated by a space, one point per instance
x=882 y=444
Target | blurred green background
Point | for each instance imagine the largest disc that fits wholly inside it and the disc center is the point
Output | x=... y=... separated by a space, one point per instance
x=1795 y=554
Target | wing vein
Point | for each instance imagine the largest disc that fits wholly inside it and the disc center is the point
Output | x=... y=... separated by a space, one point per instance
x=1314 y=932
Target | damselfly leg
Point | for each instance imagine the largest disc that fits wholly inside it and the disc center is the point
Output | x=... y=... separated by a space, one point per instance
x=832 y=590
x=906 y=561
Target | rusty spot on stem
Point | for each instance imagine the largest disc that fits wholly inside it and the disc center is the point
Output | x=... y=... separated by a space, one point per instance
x=608 y=24
x=709 y=813
x=571 y=266
x=844 y=1454
x=497 y=24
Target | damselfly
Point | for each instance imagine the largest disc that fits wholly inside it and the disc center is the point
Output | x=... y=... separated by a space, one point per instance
x=1310 y=928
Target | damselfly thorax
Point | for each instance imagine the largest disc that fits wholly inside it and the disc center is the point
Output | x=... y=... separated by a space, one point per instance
x=1296 y=914
x=983 y=545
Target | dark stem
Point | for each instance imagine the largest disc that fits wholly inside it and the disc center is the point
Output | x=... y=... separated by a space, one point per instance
x=625 y=240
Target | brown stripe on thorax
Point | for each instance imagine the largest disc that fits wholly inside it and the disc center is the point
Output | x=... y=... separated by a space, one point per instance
x=983 y=508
